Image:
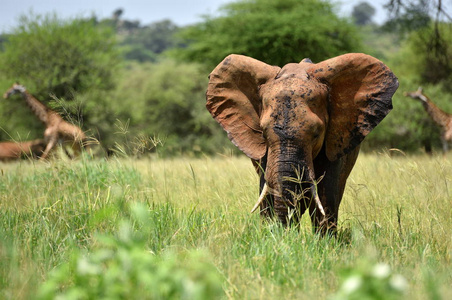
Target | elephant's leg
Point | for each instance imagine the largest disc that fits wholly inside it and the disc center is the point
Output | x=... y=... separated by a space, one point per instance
x=329 y=194
x=330 y=189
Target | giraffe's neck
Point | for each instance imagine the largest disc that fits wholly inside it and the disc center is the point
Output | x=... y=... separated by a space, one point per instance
x=38 y=108
x=439 y=116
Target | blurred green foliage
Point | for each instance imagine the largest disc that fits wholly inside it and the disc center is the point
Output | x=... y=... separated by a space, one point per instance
x=147 y=42
x=165 y=101
x=434 y=55
x=121 y=267
x=276 y=32
x=407 y=16
x=57 y=61
x=408 y=127
x=140 y=89
x=60 y=57
x=362 y=13
x=371 y=282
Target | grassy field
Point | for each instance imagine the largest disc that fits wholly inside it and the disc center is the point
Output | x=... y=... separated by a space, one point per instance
x=396 y=211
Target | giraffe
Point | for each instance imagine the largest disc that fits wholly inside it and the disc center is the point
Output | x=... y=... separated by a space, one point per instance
x=57 y=130
x=440 y=117
x=17 y=150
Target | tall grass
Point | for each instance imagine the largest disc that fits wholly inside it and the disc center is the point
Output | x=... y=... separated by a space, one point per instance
x=396 y=210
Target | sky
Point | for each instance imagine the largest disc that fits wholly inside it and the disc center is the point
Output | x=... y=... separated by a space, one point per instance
x=180 y=12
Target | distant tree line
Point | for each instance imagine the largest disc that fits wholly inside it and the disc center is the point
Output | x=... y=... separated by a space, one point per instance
x=140 y=88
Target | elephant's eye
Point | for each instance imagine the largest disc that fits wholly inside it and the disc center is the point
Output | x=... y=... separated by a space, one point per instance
x=316 y=131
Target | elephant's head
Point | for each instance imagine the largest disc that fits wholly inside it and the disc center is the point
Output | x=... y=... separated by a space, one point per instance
x=283 y=117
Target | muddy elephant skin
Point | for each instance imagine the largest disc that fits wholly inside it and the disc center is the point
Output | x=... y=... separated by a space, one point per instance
x=301 y=125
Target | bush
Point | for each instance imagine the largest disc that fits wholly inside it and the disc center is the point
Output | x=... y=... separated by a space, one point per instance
x=163 y=102
x=58 y=61
x=371 y=282
x=52 y=56
x=276 y=32
x=122 y=268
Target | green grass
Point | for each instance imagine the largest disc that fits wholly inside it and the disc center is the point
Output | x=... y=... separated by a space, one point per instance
x=396 y=210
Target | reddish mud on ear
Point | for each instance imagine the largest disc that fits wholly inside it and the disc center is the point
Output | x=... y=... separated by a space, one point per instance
x=360 y=96
x=233 y=100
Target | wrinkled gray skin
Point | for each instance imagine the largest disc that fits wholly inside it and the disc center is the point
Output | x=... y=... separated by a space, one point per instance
x=301 y=125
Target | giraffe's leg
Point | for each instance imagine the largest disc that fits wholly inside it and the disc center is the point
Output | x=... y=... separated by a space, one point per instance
x=49 y=147
x=445 y=144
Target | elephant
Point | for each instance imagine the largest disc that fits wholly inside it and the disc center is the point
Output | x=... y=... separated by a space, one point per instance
x=301 y=125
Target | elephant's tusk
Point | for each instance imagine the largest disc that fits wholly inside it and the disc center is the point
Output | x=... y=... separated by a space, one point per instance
x=319 y=204
x=317 y=201
x=261 y=197
x=265 y=191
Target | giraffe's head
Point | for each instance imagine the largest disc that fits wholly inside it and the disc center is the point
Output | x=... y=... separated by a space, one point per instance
x=418 y=95
x=15 y=89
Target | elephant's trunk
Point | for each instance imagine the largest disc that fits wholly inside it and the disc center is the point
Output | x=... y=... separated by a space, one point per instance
x=296 y=188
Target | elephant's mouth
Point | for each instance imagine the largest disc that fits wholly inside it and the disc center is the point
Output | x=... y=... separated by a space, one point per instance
x=299 y=193
x=266 y=190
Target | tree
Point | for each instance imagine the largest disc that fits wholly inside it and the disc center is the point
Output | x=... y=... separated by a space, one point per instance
x=158 y=36
x=145 y=43
x=430 y=62
x=363 y=13
x=57 y=60
x=408 y=17
x=400 y=7
x=408 y=127
x=274 y=31
x=431 y=26
x=3 y=39
x=117 y=14
x=426 y=26
x=165 y=100
x=52 y=56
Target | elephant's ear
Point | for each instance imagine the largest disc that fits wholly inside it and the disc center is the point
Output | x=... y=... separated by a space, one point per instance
x=233 y=100
x=360 y=96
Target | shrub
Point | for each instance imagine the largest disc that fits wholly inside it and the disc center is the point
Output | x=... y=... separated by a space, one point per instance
x=120 y=267
x=50 y=55
x=371 y=282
